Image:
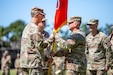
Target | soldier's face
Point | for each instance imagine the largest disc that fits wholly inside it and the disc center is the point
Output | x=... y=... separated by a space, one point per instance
x=42 y=25
x=39 y=17
x=93 y=27
x=73 y=25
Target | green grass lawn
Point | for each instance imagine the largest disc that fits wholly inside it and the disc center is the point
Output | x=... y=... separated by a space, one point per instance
x=12 y=72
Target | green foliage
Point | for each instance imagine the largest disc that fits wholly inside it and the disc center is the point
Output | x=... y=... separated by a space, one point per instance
x=1 y=34
x=107 y=29
x=12 y=72
x=14 y=38
x=6 y=44
x=84 y=28
x=15 y=29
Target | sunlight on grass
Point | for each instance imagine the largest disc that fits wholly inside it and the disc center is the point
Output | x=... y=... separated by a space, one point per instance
x=12 y=72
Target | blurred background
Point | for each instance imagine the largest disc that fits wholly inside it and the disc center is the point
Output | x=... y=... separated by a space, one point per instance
x=14 y=16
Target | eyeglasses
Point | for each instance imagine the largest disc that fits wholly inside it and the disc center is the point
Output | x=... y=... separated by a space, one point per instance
x=70 y=23
x=91 y=24
x=43 y=21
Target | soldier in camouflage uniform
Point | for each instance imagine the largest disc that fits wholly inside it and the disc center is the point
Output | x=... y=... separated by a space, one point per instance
x=32 y=44
x=97 y=50
x=111 y=37
x=5 y=63
x=17 y=64
x=111 y=40
x=76 y=59
x=46 y=52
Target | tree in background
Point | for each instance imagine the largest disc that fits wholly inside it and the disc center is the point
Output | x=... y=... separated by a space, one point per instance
x=107 y=29
x=16 y=30
x=84 y=28
x=1 y=32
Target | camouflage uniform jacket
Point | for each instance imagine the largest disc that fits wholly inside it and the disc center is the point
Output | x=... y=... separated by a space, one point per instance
x=77 y=53
x=31 y=49
x=5 y=63
x=111 y=43
x=111 y=62
x=17 y=63
x=97 y=51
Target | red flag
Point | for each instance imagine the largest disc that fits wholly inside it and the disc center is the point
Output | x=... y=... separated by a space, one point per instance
x=61 y=14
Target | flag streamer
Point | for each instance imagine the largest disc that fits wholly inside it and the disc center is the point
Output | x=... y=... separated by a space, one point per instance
x=60 y=15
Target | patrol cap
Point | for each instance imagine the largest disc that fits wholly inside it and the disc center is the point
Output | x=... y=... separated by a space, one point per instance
x=75 y=18
x=37 y=10
x=92 y=22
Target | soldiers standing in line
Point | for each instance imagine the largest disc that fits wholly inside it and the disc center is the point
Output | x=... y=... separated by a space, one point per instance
x=76 y=59
x=97 y=50
x=111 y=40
x=32 y=44
x=5 y=63
x=17 y=64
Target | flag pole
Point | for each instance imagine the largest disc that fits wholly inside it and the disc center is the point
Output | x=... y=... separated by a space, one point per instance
x=52 y=54
x=60 y=20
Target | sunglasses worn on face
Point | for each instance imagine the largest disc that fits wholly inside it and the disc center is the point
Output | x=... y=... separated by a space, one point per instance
x=70 y=23
x=91 y=24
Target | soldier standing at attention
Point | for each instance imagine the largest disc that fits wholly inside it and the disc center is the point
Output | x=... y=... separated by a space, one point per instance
x=76 y=59
x=17 y=64
x=97 y=50
x=32 y=43
x=5 y=63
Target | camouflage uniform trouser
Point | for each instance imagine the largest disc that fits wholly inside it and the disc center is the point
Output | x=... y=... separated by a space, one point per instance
x=6 y=72
x=70 y=72
x=96 y=72
x=71 y=69
x=110 y=71
x=32 y=71
x=18 y=71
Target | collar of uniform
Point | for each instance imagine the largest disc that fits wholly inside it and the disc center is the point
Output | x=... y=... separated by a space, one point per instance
x=33 y=24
